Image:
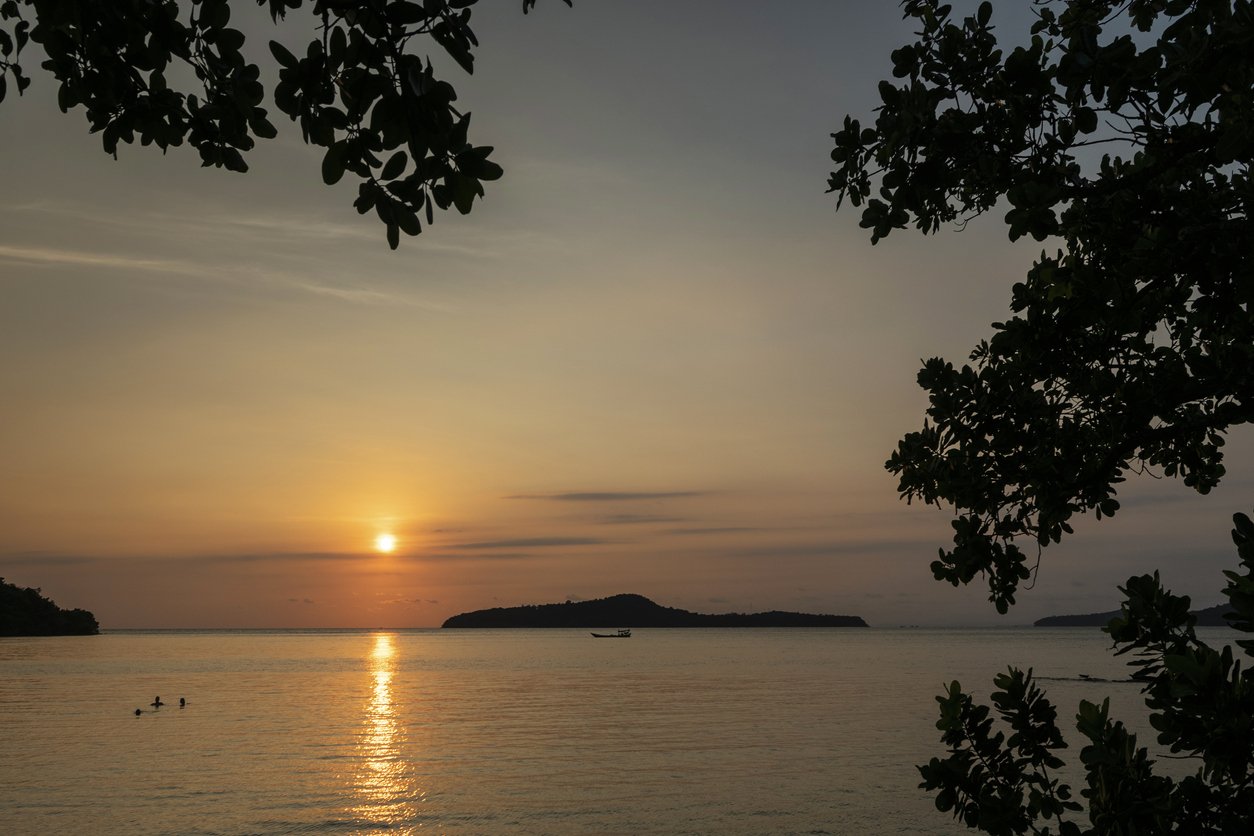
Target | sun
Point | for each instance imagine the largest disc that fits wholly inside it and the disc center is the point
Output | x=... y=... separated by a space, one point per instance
x=385 y=543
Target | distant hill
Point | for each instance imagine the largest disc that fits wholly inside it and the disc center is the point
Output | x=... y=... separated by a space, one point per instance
x=1209 y=617
x=636 y=611
x=25 y=612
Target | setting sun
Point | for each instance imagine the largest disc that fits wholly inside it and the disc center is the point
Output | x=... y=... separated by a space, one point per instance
x=385 y=543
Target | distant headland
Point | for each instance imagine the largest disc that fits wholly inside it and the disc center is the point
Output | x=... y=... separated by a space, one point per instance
x=1209 y=617
x=637 y=611
x=25 y=612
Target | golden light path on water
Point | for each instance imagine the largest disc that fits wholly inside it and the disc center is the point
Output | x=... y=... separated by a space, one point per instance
x=384 y=785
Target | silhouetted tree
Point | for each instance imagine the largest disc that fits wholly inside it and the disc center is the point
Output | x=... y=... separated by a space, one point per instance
x=359 y=90
x=1121 y=133
x=24 y=611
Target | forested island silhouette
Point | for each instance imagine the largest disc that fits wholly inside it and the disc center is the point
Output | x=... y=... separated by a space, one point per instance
x=1208 y=617
x=637 y=611
x=26 y=612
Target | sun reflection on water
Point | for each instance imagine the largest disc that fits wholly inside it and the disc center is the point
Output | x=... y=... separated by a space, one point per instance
x=386 y=791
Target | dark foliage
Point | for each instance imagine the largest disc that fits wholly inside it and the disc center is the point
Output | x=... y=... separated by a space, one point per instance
x=357 y=89
x=25 y=612
x=1122 y=133
x=1201 y=701
x=1132 y=346
x=1208 y=617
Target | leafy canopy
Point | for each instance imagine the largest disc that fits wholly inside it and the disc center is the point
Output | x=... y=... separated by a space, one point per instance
x=1121 y=133
x=359 y=89
x=1201 y=702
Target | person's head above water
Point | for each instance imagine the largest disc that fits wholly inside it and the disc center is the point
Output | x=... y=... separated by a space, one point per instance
x=182 y=702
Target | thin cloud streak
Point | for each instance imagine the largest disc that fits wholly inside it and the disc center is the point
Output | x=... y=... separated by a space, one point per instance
x=471 y=558
x=528 y=543
x=352 y=295
x=608 y=496
x=265 y=228
x=44 y=559
x=724 y=530
x=839 y=549
x=41 y=255
x=221 y=224
x=637 y=519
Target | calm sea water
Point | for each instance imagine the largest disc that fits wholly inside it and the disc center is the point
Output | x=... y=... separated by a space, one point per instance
x=501 y=731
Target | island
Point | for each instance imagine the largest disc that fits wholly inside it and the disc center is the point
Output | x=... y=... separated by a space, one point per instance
x=1209 y=617
x=25 y=612
x=637 y=611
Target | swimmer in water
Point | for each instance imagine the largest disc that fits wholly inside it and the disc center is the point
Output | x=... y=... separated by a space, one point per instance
x=182 y=703
x=138 y=712
x=156 y=702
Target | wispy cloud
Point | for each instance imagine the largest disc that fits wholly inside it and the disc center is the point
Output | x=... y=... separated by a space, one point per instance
x=211 y=223
x=294 y=226
x=47 y=559
x=831 y=549
x=486 y=555
x=607 y=496
x=268 y=557
x=353 y=295
x=530 y=543
x=719 y=530
x=636 y=519
x=237 y=275
x=268 y=227
x=79 y=258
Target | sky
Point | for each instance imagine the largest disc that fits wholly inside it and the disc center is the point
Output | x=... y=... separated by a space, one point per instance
x=654 y=359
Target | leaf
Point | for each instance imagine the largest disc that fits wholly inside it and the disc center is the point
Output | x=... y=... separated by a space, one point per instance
x=230 y=40
x=395 y=166
x=1086 y=120
x=333 y=163
x=282 y=55
x=407 y=219
x=262 y=127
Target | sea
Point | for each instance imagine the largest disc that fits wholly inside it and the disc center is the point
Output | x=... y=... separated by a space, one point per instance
x=680 y=731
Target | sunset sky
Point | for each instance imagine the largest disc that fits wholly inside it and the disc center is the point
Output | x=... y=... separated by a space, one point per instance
x=653 y=360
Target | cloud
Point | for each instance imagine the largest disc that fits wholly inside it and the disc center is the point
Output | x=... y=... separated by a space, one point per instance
x=78 y=258
x=831 y=549
x=359 y=296
x=303 y=283
x=46 y=559
x=210 y=224
x=608 y=496
x=42 y=558
x=529 y=543
x=265 y=557
x=488 y=555
x=723 y=530
x=265 y=227
x=636 y=519
x=244 y=274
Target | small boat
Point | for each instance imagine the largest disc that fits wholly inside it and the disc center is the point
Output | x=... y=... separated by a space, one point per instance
x=621 y=634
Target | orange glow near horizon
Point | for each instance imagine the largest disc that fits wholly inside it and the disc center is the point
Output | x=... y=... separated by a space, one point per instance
x=385 y=543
